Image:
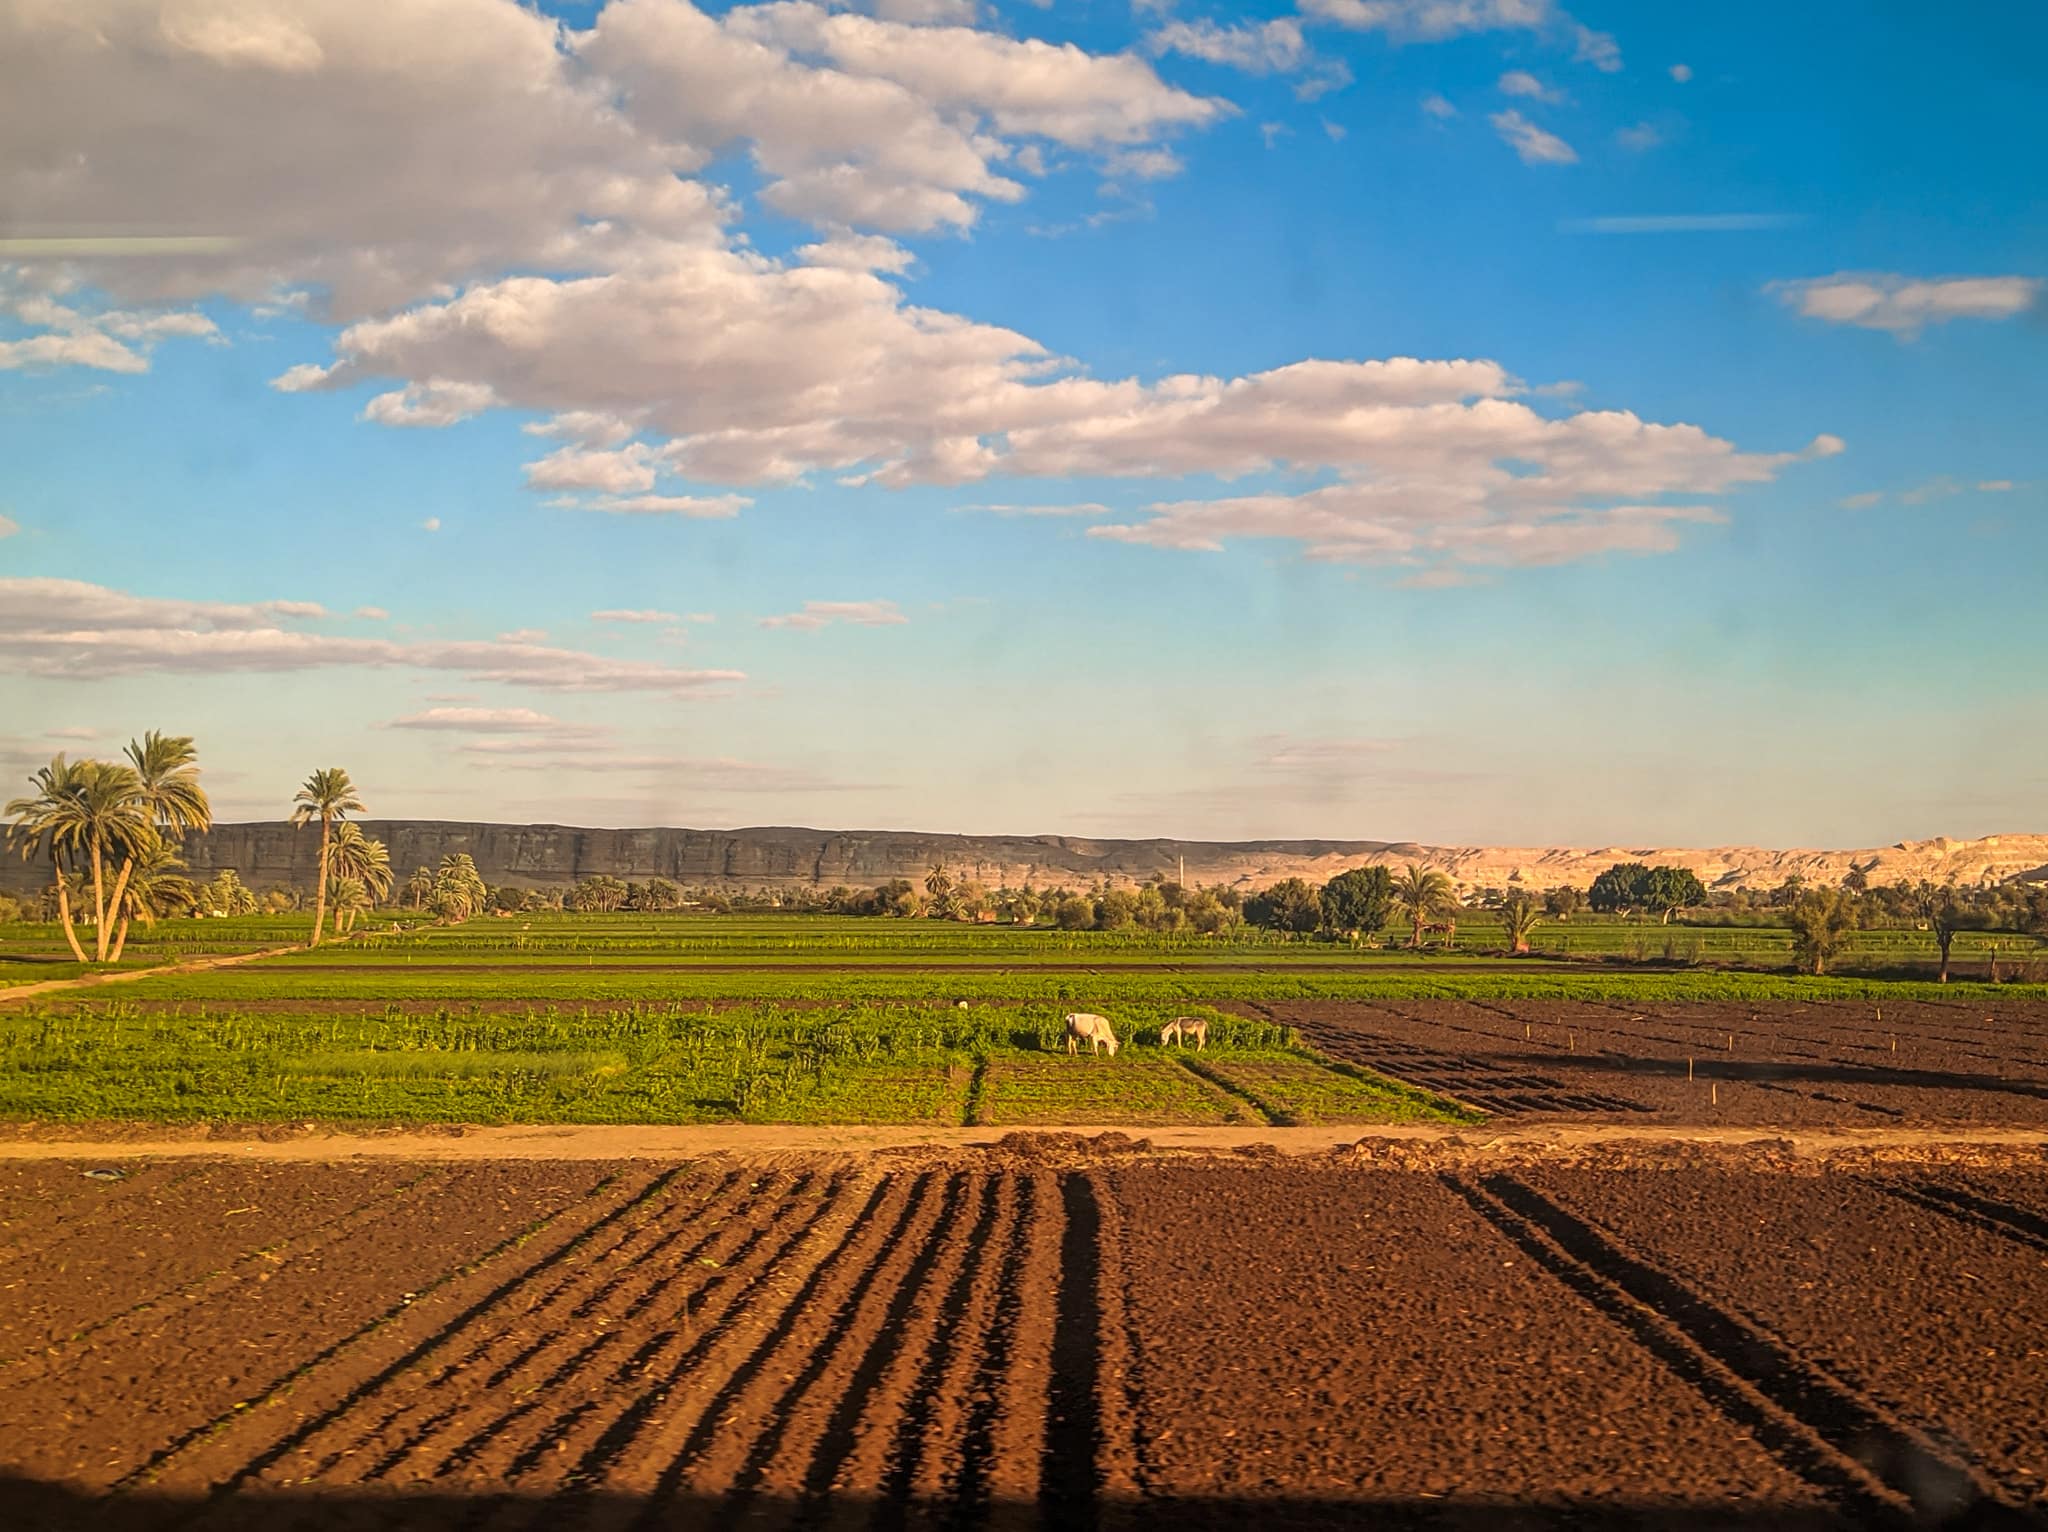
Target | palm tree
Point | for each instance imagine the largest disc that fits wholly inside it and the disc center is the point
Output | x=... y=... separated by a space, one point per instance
x=1423 y=893
x=156 y=886
x=938 y=883
x=1518 y=918
x=44 y=825
x=167 y=774
x=354 y=855
x=347 y=897
x=89 y=809
x=459 y=890
x=419 y=888
x=326 y=796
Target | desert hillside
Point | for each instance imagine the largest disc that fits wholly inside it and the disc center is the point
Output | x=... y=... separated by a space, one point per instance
x=557 y=855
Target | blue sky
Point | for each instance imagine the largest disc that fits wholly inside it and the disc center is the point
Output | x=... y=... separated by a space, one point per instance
x=1472 y=420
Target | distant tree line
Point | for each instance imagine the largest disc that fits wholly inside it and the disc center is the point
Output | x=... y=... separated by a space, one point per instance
x=110 y=833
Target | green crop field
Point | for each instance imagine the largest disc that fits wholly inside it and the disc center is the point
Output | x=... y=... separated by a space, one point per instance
x=853 y=1062
x=691 y=1018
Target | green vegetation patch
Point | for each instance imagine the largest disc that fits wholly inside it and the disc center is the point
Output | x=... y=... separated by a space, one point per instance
x=674 y=1062
x=1304 y=1091
x=1129 y=1089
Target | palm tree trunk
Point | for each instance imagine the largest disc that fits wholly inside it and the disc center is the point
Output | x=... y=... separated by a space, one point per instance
x=64 y=916
x=114 y=904
x=320 y=895
x=120 y=940
x=99 y=905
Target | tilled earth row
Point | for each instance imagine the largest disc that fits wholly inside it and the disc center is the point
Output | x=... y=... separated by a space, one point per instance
x=1016 y=1340
x=1856 y=1064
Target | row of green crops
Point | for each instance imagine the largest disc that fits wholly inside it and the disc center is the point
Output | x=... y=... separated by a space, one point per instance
x=622 y=1063
x=269 y=981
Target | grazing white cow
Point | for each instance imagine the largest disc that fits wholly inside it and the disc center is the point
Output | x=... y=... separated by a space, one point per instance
x=1182 y=1028
x=1086 y=1027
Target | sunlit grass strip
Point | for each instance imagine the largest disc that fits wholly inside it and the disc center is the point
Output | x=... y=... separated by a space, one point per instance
x=624 y=1063
x=268 y=981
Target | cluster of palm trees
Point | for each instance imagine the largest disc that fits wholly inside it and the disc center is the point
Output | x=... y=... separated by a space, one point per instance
x=111 y=831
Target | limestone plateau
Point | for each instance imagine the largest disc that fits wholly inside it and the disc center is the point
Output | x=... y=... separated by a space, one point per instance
x=544 y=856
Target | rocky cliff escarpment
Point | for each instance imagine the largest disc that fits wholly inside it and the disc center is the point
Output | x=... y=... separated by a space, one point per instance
x=542 y=856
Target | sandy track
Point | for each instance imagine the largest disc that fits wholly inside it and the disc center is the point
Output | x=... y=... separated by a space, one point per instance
x=128 y=976
x=770 y=1143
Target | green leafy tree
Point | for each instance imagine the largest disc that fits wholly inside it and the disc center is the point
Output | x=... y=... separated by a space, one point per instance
x=1116 y=910
x=1821 y=920
x=1620 y=889
x=899 y=898
x=1946 y=915
x=1074 y=913
x=1563 y=902
x=1289 y=905
x=1207 y=912
x=1667 y=890
x=328 y=795
x=1358 y=901
x=1424 y=897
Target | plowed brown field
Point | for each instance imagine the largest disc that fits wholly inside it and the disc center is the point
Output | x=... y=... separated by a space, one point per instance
x=1018 y=1339
x=1771 y=1064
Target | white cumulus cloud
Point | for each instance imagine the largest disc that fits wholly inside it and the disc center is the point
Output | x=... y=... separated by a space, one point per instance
x=1519 y=82
x=73 y=630
x=1906 y=305
x=823 y=614
x=1535 y=145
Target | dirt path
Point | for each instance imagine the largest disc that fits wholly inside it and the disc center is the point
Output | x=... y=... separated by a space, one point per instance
x=769 y=1141
x=130 y=975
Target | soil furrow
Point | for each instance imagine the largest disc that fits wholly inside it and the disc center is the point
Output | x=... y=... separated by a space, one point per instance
x=1080 y=1458
x=764 y=1409
x=451 y=1414
x=794 y=1469
x=650 y=1455
x=1788 y=1437
x=1018 y=1433
x=973 y=1487
x=908 y=1460
x=2001 y=1218
x=1825 y=1408
x=245 y=1446
x=569 y=1406
x=856 y=1456
x=541 y=1445
x=627 y=1401
x=1239 y=1096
